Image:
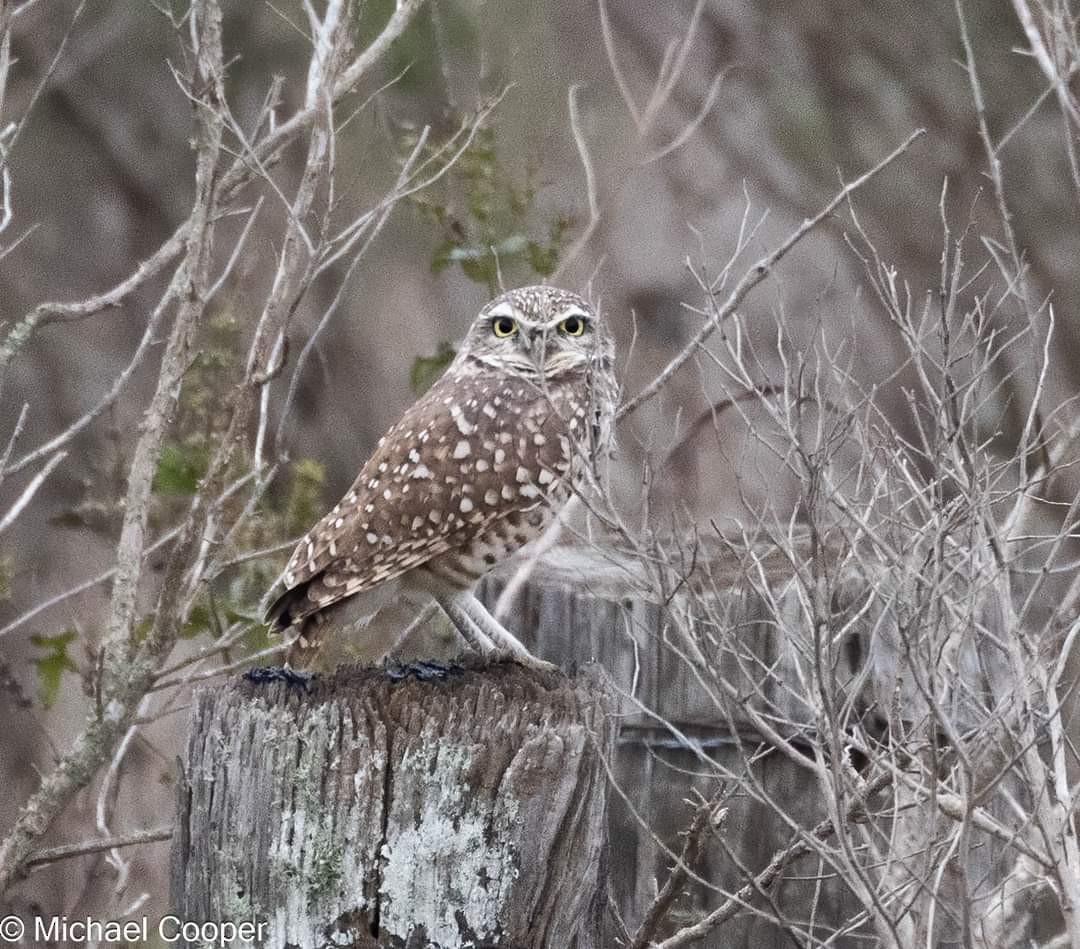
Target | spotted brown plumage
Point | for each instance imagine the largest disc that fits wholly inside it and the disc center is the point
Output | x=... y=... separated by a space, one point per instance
x=474 y=470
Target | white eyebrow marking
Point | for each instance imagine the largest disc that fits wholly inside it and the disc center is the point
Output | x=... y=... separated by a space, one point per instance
x=505 y=309
x=574 y=310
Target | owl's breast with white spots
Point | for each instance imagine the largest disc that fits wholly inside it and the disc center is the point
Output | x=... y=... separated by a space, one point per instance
x=494 y=545
x=475 y=469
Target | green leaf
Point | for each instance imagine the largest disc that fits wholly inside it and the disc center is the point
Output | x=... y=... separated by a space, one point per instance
x=305 y=495
x=488 y=217
x=543 y=260
x=5 y=578
x=180 y=469
x=199 y=621
x=482 y=271
x=257 y=637
x=52 y=665
x=442 y=258
x=426 y=370
x=241 y=615
x=416 y=51
x=142 y=628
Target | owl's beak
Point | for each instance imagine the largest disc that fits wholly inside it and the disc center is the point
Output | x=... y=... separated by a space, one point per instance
x=537 y=343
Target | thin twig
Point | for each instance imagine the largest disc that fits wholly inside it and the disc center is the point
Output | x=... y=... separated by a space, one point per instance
x=45 y=314
x=30 y=490
x=755 y=275
x=149 y=338
x=707 y=820
x=616 y=70
x=41 y=857
x=590 y=185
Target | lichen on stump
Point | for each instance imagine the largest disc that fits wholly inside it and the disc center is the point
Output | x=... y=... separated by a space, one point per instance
x=463 y=812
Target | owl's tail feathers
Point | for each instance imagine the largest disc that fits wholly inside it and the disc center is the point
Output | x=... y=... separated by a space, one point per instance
x=293 y=613
x=309 y=612
x=291 y=608
x=294 y=609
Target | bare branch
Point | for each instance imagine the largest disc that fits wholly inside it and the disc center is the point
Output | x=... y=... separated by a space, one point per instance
x=613 y=60
x=708 y=819
x=590 y=183
x=31 y=489
x=123 y=681
x=693 y=125
x=116 y=387
x=756 y=274
x=40 y=858
x=47 y=313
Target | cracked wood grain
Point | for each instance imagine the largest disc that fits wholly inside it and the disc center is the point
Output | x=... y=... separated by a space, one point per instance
x=371 y=813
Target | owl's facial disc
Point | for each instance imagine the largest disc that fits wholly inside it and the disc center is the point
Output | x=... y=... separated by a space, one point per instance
x=565 y=342
x=536 y=332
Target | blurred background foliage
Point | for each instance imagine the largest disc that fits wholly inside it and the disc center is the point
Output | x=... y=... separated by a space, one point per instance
x=811 y=94
x=485 y=217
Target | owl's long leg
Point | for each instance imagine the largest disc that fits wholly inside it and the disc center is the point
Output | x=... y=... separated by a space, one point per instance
x=476 y=625
x=425 y=615
x=470 y=630
x=478 y=614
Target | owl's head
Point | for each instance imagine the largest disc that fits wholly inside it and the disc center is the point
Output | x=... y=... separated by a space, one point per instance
x=540 y=333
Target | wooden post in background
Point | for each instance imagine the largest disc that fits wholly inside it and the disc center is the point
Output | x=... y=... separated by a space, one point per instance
x=368 y=812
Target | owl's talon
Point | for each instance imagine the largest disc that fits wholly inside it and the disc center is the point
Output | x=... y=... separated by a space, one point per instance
x=540 y=665
x=523 y=658
x=265 y=675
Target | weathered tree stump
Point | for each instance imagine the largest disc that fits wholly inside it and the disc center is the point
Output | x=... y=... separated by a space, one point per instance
x=368 y=812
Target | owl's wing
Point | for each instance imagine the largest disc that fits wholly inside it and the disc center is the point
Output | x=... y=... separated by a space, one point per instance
x=475 y=449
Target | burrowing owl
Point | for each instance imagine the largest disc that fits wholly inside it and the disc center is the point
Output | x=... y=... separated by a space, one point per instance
x=474 y=470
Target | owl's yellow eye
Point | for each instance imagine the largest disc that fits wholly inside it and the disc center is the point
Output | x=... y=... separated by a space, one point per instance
x=572 y=326
x=503 y=326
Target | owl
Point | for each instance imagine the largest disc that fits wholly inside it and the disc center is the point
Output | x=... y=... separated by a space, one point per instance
x=476 y=469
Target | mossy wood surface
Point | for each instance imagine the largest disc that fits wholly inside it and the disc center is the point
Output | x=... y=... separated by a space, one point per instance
x=366 y=812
